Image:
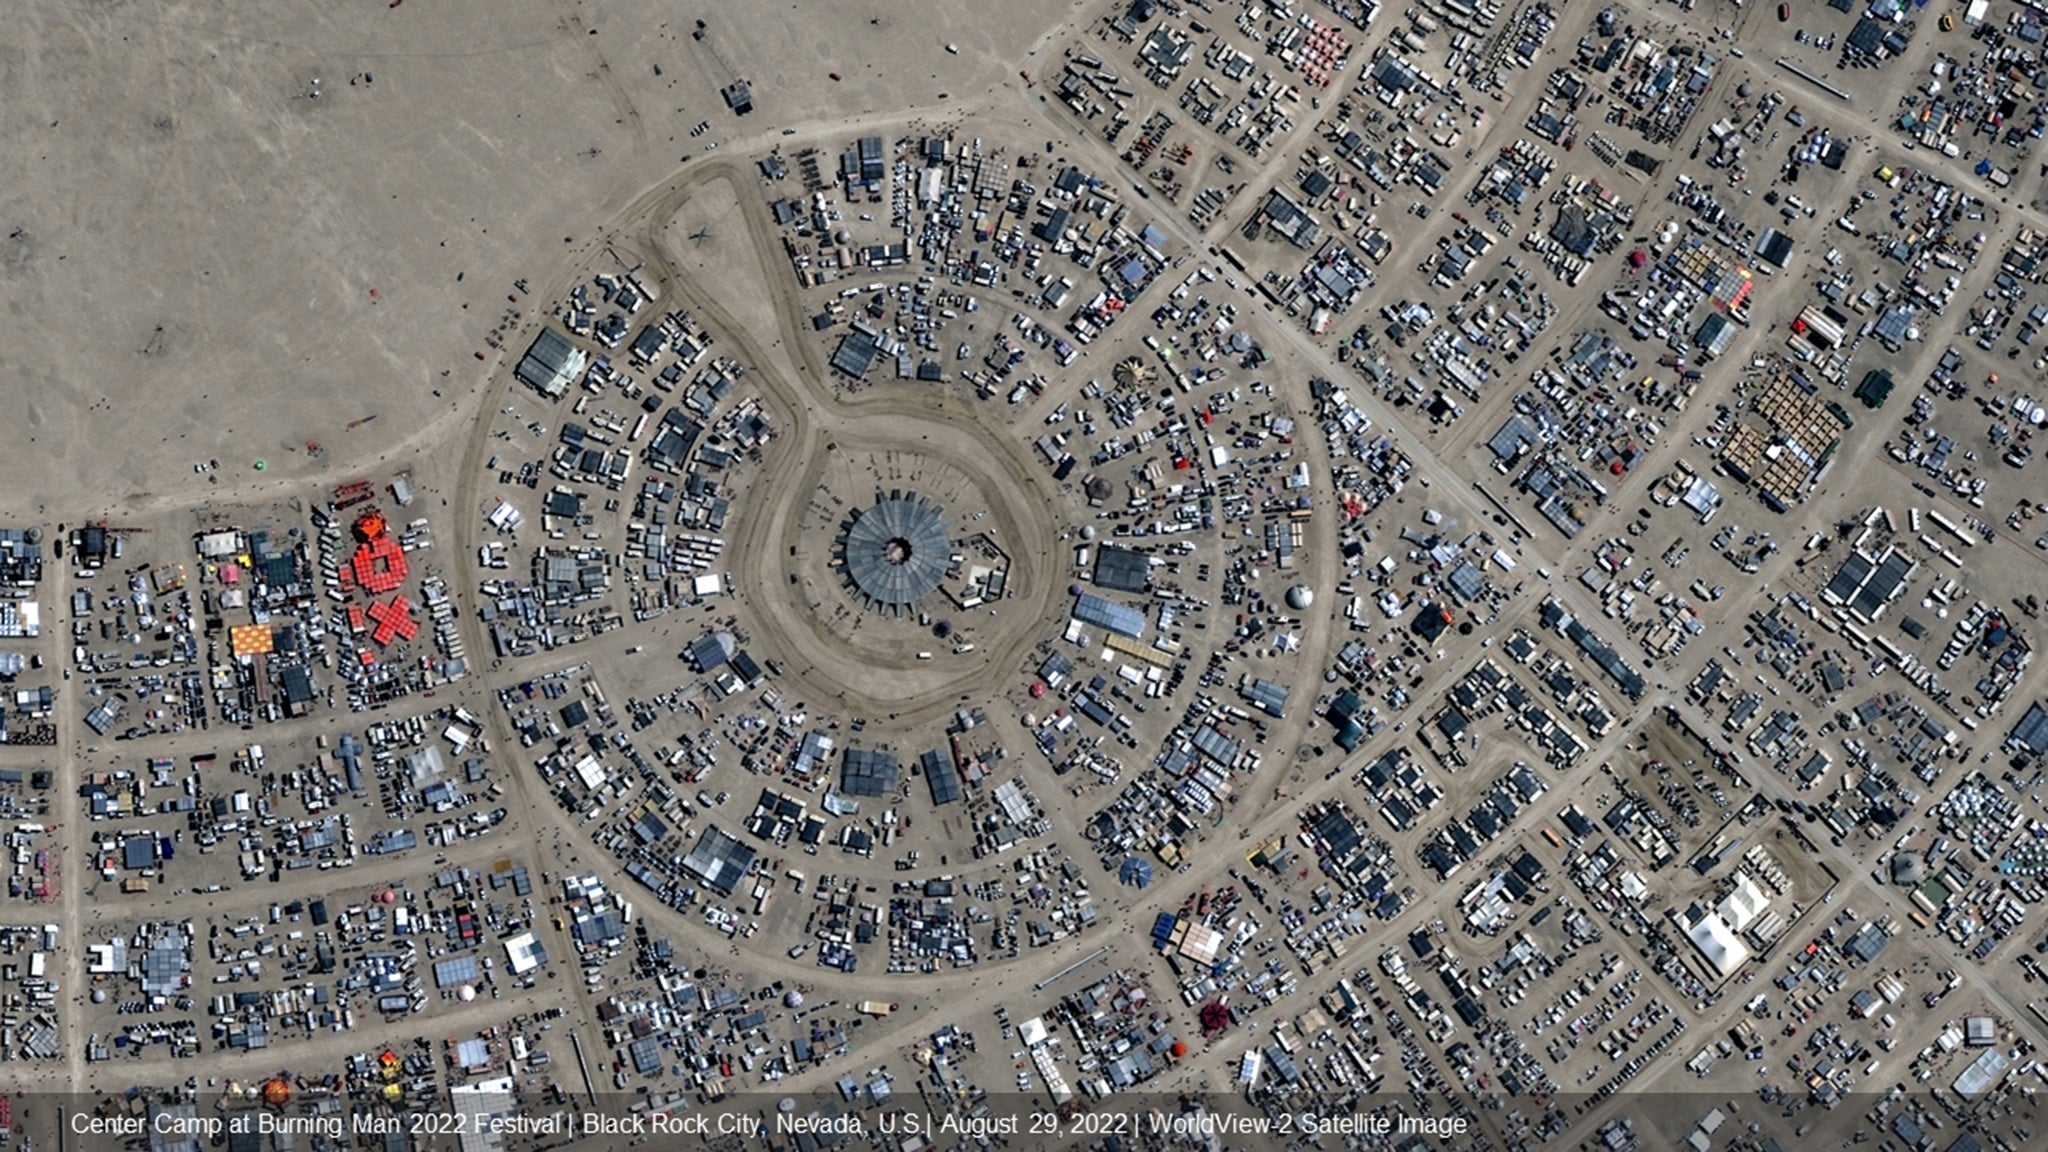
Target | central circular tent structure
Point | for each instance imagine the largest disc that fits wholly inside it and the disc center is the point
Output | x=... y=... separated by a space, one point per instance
x=895 y=552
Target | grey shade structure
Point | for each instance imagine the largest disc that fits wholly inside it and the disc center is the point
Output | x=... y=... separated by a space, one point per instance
x=2031 y=733
x=940 y=776
x=1121 y=619
x=164 y=965
x=1121 y=569
x=895 y=552
x=456 y=970
x=867 y=772
x=711 y=650
x=720 y=859
x=551 y=364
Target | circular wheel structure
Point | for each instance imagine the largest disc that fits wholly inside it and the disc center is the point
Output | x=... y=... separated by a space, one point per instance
x=895 y=552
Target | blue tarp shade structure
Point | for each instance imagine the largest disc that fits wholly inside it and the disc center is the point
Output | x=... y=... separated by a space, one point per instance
x=1135 y=872
x=1162 y=929
x=138 y=852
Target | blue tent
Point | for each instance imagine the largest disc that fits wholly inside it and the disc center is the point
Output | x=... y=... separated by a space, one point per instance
x=1135 y=872
x=1162 y=928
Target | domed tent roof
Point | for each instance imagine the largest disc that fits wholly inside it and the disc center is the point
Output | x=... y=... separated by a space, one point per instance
x=1135 y=872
